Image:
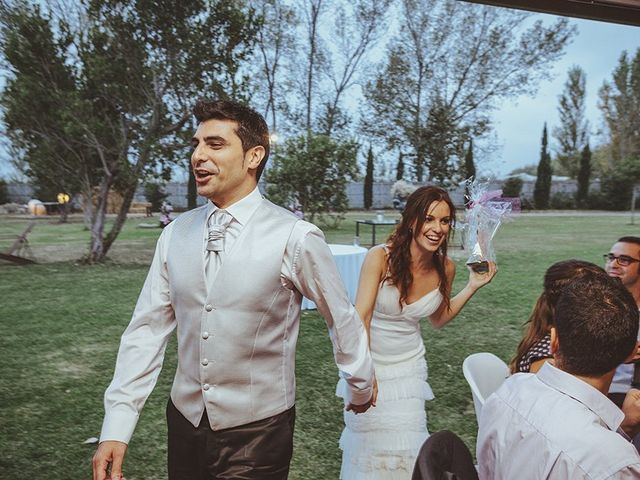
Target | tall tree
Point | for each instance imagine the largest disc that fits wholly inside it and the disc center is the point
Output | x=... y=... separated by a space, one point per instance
x=276 y=42
x=357 y=27
x=192 y=190
x=400 y=167
x=469 y=169
x=330 y=55
x=319 y=187
x=449 y=64
x=542 y=188
x=368 y=181
x=572 y=133
x=136 y=70
x=314 y=56
x=620 y=104
x=469 y=165
x=46 y=146
x=584 y=177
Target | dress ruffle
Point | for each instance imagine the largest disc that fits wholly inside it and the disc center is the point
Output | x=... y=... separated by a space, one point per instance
x=396 y=382
x=383 y=443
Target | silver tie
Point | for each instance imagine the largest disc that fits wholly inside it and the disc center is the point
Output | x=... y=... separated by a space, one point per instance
x=218 y=223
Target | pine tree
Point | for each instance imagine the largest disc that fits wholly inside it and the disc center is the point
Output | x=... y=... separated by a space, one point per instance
x=572 y=132
x=192 y=192
x=584 y=175
x=469 y=170
x=368 y=181
x=400 y=168
x=469 y=166
x=542 y=188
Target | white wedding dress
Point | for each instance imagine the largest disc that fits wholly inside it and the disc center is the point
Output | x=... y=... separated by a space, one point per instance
x=382 y=443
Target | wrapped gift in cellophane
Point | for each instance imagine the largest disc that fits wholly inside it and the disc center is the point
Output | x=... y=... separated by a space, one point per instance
x=485 y=211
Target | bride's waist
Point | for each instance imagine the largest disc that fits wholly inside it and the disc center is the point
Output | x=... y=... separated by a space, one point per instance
x=387 y=347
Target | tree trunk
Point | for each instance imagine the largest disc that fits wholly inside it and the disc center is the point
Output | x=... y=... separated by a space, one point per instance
x=96 y=247
x=64 y=212
x=127 y=198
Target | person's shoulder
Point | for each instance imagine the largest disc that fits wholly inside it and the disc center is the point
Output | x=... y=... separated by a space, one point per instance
x=189 y=215
x=278 y=210
x=449 y=266
x=516 y=385
x=379 y=252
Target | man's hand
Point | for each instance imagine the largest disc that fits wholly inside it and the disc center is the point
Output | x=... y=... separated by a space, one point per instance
x=365 y=406
x=109 y=452
x=358 y=408
x=631 y=410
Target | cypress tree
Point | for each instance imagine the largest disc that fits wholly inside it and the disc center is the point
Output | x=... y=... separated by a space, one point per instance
x=469 y=166
x=192 y=191
x=368 y=181
x=469 y=170
x=584 y=175
x=542 y=189
x=400 y=168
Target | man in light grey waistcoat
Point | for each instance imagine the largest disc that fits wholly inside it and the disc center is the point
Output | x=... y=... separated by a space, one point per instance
x=230 y=277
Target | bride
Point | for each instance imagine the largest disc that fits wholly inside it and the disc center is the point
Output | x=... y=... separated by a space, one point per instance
x=402 y=281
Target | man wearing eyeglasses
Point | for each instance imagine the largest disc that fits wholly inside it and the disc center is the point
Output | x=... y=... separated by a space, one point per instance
x=623 y=262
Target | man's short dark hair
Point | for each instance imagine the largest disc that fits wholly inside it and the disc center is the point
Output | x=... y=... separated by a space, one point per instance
x=252 y=128
x=630 y=239
x=596 y=320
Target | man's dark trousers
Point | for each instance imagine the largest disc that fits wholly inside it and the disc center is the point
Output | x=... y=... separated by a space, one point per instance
x=259 y=450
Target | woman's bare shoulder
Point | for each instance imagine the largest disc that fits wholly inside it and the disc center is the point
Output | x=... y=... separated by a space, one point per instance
x=450 y=267
x=378 y=253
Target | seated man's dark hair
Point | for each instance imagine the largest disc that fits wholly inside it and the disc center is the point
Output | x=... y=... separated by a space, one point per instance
x=596 y=320
x=252 y=128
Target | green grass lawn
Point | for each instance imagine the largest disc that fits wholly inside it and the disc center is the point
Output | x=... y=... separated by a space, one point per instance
x=61 y=324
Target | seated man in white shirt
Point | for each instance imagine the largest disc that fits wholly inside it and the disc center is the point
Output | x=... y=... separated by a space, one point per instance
x=559 y=423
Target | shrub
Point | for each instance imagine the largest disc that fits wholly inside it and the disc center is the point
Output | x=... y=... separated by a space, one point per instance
x=512 y=187
x=615 y=192
x=4 y=195
x=402 y=189
x=562 y=201
x=154 y=194
x=526 y=204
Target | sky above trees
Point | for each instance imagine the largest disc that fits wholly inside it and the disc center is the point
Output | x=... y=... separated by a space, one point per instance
x=518 y=122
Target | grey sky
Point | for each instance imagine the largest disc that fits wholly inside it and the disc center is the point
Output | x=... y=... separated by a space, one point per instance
x=518 y=124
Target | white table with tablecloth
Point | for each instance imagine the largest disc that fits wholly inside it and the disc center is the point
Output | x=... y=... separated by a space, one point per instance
x=349 y=259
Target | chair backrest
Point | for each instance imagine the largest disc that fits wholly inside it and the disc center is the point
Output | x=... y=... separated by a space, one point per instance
x=484 y=373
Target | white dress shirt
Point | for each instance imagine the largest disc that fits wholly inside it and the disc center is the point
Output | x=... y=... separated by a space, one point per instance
x=621 y=382
x=209 y=340
x=552 y=426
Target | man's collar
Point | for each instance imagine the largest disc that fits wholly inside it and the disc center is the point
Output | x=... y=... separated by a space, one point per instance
x=582 y=392
x=242 y=210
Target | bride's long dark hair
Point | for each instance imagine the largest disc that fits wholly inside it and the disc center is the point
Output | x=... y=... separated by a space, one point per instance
x=399 y=261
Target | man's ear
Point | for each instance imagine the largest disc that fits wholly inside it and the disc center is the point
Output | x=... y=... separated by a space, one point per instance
x=554 y=344
x=254 y=156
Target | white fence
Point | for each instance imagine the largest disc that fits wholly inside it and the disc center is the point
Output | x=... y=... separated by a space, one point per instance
x=21 y=193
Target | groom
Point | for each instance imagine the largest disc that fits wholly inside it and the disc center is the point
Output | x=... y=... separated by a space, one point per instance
x=230 y=276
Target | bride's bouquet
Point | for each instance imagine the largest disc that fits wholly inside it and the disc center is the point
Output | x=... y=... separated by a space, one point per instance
x=486 y=210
